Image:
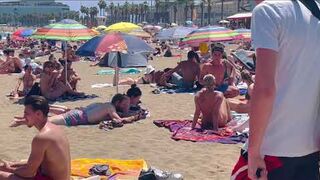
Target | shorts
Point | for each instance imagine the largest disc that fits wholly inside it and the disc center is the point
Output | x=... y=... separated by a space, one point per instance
x=222 y=88
x=75 y=117
x=39 y=176
x=284 y=168
x=178 y=80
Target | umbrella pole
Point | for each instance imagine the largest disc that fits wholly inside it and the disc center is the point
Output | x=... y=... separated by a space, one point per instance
x=116 y=74
x=66 y=62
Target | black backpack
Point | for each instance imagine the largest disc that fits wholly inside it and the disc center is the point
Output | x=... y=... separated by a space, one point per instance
x=312 y=6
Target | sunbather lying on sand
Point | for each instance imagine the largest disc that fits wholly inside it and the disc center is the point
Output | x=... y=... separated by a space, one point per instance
x=212 y=105
x=95 y=113
x=50 y=153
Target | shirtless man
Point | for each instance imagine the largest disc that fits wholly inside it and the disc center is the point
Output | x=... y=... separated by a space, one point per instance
x=189 y=70
x=72 y=76
x=50 y=153
x=212 y=105
x=28 y=80
x=12 y=64
x=50 y=86
x=97 y=112
x=222 y=70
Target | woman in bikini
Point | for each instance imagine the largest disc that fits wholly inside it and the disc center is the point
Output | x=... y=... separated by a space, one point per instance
x=28 y=80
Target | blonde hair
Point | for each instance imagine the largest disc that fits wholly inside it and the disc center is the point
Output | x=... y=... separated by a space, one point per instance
x=209 y=81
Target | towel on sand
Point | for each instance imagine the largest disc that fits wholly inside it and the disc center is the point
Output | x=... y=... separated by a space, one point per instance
x=119 y=169
x=163 y=90
x=122 y=71
x=181 y=130
x=66 y=98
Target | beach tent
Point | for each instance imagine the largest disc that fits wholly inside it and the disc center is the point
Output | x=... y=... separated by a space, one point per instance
x=127 y=60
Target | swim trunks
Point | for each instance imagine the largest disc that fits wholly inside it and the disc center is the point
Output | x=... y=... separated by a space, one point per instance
x=76 y=117
x=40 y=176
x=222 y=88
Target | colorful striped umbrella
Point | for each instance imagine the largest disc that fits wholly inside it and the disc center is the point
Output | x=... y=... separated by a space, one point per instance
x=65 y=30
x=140 y=33
x=245 y=33
x=174 y=33
x=113 y=42
x=122 y=27
x=209 y=34
x=23 y=33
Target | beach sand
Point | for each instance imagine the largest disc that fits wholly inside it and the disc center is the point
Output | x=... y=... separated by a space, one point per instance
x=195 y=161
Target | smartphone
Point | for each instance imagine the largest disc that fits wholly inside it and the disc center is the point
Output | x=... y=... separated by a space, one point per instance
x=242 y=57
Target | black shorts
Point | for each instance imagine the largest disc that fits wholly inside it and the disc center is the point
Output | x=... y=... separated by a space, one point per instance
x=282 y=168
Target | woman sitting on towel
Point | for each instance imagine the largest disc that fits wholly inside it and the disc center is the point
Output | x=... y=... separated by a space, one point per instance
x=243 y=105
x=212 y=105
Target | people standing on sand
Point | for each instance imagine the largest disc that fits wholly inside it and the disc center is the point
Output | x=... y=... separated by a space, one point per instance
x=212 y=105
x=284 y=117
x=50 y=86
x=50 y=152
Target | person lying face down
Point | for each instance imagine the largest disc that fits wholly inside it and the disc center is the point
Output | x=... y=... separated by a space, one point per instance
x=212 y=105
x=50 y=152
x=97 y=112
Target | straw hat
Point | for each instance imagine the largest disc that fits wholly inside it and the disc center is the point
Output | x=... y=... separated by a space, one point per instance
x=149 y=69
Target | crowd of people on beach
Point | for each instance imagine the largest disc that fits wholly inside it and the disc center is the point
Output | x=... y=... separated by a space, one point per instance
x=275 y=97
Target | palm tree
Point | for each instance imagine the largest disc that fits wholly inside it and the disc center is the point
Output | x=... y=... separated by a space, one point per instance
x=141 y=14
x=222 y=5
x=192 y=9
x=93 y=13
x=157 y=5
x=186 y=11
x=202 y=13
x=126 y=11
x=85 y=10
x=102 y=6
x=111 y=7
x=146 y=9
x=175 y=10
x=209 y=12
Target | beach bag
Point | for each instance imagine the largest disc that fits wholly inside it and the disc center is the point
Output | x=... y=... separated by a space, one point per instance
x=312 y=6
x=35 y=90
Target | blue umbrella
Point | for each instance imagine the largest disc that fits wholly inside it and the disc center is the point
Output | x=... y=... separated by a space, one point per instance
x=113 y=42
x=174 y=33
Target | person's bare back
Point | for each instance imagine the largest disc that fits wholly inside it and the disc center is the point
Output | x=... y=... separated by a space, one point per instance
x=189 y=70
x=56 y=160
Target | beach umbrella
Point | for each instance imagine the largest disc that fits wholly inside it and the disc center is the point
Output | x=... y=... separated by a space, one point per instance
x=101 y=28
x=114 y=42
x=245 y=33
x=65 y=30
x=174 y=33
x=23 y=33
x=140 y=33
x=122 y=27
x=209 y=34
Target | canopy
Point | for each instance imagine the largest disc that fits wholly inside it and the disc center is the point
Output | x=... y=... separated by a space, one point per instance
x=122 y=27
x=65 y=30
x=240 y=16
x=174 y=33
x=210 y=34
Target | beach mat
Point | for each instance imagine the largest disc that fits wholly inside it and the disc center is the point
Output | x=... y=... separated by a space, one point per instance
x=122 y=71
x=67 y=98
x=163 y=90
x=119 y=169
x=181 y=130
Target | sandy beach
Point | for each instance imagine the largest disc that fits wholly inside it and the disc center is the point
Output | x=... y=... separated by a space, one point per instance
x=195 y=161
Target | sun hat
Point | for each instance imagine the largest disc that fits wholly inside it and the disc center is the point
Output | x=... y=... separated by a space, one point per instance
x=149 y=69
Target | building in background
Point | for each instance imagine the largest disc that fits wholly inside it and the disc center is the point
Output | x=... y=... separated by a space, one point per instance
x=31 y=12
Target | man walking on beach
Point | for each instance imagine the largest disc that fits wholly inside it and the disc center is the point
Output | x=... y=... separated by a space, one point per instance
x=50 y=154
x=284 y=139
